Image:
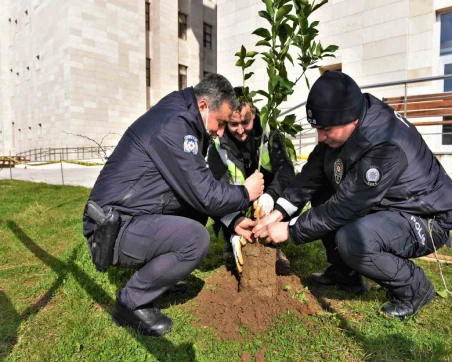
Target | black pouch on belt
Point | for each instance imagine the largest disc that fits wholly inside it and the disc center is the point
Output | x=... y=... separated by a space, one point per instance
x=102 y=242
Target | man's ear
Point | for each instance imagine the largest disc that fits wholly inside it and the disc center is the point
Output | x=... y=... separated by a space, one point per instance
x=202 y=104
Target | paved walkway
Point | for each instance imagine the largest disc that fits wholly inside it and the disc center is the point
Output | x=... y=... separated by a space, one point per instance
x=76 y=175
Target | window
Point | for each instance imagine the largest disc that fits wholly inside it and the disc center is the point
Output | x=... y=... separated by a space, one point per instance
x=148 y=72
x=207 y=36
x=182 y=26
x=446 y=34
x=148 y=16
x=182 y=77
x=447 y=128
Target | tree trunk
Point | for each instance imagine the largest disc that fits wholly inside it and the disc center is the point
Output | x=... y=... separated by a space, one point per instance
x=259 y=272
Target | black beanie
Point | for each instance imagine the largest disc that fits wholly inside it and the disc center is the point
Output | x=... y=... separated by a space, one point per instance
x=335 y=99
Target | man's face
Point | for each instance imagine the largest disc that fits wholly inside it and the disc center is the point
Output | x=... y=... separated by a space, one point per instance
x=335 y=136
x=217 y=120
x=242 y=123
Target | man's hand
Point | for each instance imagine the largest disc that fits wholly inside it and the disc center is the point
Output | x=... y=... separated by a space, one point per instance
x=274 y=216
x=275 y=233
x=237 y=243
x=263 y=206
x=244 y=226
x=254 y=185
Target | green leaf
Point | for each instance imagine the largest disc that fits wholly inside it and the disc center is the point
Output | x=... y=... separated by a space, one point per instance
x=284 y=10
x=292 y=17
x=251 y=94
x=263 y=42
x=242 y=52
x=237 y=54
x=331 y=48
x=249 y=63
x=442 y=293
x=288 y=56
x=314 y=24
x=248 y=75
x=264 y=33
x=289 y=120
x=251 y=54
x=269 y=6
x=239 y=63
x=319 y=5
x=307 y=82
x=263 y=93
x=266 y=15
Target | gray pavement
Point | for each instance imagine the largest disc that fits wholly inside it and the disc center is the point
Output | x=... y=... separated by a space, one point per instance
x=76 y=175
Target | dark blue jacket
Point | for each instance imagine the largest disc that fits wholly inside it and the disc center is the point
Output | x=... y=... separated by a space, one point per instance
x=384 y=165
x=158 y=166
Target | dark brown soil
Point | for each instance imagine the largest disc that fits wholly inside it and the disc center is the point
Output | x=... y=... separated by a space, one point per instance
x=223 y=308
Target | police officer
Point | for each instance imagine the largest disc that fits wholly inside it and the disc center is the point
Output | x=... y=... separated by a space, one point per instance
x=236 y=156
x=158 y=180
x=381 y=197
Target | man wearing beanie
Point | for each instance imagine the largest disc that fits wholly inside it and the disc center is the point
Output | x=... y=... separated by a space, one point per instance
x=378 y=195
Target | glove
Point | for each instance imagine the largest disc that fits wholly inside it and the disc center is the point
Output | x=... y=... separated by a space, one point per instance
x=237 y=243
x=263 y=206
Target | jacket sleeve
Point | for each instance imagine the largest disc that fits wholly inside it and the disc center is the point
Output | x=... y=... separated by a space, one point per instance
x=360 y=191
x=187 y=173
x=216 y=165
x=300 y=190
x=282 y=167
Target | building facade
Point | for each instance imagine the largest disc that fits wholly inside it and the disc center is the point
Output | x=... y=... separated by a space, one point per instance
x=70 y=71
x=379 y=41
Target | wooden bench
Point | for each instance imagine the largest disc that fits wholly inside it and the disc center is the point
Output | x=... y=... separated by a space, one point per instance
x=423 y=105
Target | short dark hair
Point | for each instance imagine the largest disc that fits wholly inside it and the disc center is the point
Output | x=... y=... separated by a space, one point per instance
x=216 y=89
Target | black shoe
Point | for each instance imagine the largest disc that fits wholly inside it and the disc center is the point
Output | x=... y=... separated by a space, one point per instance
x=180 y=287
x=399 y=308
x=332 y=275
x=283 y=266
x=228 y=254
x=149 y=321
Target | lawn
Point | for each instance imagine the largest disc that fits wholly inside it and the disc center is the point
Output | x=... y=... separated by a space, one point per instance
x=54 y=306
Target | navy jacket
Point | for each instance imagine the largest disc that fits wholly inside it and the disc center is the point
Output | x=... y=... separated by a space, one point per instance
x=158 y=166
x=384 y=165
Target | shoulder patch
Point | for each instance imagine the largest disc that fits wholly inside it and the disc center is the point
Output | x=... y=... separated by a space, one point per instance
x=338 y=170
x=372 y=175
x=191 y=144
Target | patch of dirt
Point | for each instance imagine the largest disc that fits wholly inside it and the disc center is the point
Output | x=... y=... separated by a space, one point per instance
x=223 y=308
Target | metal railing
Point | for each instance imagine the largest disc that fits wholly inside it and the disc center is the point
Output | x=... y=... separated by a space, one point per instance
x=405 y=83
x=64 y=153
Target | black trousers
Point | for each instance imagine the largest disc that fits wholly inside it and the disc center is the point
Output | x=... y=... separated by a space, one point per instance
x=164 y=249
x=380 y=244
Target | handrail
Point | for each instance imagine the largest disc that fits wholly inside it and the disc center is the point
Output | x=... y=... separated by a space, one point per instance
x=379 y=85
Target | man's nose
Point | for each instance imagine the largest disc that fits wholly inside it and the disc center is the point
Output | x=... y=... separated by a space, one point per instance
x=240 y=129
x=321 y=135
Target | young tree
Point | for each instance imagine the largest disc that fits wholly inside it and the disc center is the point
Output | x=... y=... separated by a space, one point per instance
x=288 y=27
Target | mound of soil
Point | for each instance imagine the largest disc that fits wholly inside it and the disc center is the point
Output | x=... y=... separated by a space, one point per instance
x=223 y=308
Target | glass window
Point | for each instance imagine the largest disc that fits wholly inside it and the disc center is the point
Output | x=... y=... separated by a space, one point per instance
x=447 y=128
x=148 y=25
x=207 y=36
x=182 y=77
x=446 y=34
x=182 y=26
x=148 y=72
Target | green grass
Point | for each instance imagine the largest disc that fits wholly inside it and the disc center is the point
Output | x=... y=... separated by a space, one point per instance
x=54 y=306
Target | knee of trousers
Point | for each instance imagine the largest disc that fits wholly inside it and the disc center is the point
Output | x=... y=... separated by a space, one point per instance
x=356 y=244
x=196 y=242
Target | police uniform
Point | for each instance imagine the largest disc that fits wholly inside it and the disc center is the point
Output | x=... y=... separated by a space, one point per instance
x=376 y=197
x=158 y=180
x=233 y=161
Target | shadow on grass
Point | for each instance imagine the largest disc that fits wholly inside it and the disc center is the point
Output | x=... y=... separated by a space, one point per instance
x=185 y=351
x=390 y=346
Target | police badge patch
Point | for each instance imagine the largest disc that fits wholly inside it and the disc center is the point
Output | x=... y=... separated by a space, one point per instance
x=338 y=170
x=372 y=176
x=191 y=144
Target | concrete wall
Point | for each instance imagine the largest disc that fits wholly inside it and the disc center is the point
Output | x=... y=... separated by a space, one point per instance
x=379 y=41
x=90 y=78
